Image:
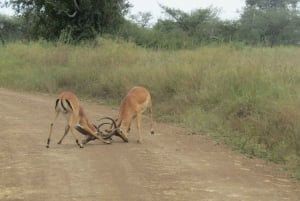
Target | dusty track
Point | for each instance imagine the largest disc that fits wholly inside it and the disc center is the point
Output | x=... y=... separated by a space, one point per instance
x=170 y=165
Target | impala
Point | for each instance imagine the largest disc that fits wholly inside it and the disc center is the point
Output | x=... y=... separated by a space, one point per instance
x=68 y=104
x=137 y=100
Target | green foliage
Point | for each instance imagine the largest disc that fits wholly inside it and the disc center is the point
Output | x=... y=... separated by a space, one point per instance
x=155 y=38
x=270 y=23
x=200 y=24
x=11 y=29
x=182 y=30
x=266 y=4
x=73 y=19
x=262 y=23
x=142 y=19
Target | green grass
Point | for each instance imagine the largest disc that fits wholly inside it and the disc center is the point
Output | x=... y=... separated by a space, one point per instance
x=246 y=97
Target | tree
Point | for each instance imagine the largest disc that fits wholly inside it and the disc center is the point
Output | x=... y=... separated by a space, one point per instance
x=11 y=28
x=142 y=19
x=70 y=19
x=270 y=22
x=266 y=4
x=201 y=24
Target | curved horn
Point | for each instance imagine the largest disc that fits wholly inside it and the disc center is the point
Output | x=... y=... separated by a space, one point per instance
x=100 y=125
x=109 y=135
x=106 y=134
x=109 y=118
x=115 y=131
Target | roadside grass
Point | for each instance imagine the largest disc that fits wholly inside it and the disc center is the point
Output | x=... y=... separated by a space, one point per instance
x=246 y=97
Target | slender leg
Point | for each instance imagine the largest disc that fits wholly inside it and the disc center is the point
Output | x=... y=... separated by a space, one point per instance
x=86 y=140
x=76 y=140
x=151 y=120
x=138 y=118
x=51 y=128
x=123 y=131
x=71 y=126
x=94 y=136
x=66 y=132
x=129 y=128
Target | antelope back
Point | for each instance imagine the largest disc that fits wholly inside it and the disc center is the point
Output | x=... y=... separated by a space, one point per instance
x=67 y=103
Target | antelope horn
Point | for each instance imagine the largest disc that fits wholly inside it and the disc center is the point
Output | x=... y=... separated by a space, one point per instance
x=106 y=134
x=109 y=135
x=100 y=125
x=115 y=131
x=109 y=118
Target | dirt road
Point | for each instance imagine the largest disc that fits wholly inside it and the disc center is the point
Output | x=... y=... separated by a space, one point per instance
x=170 y=165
